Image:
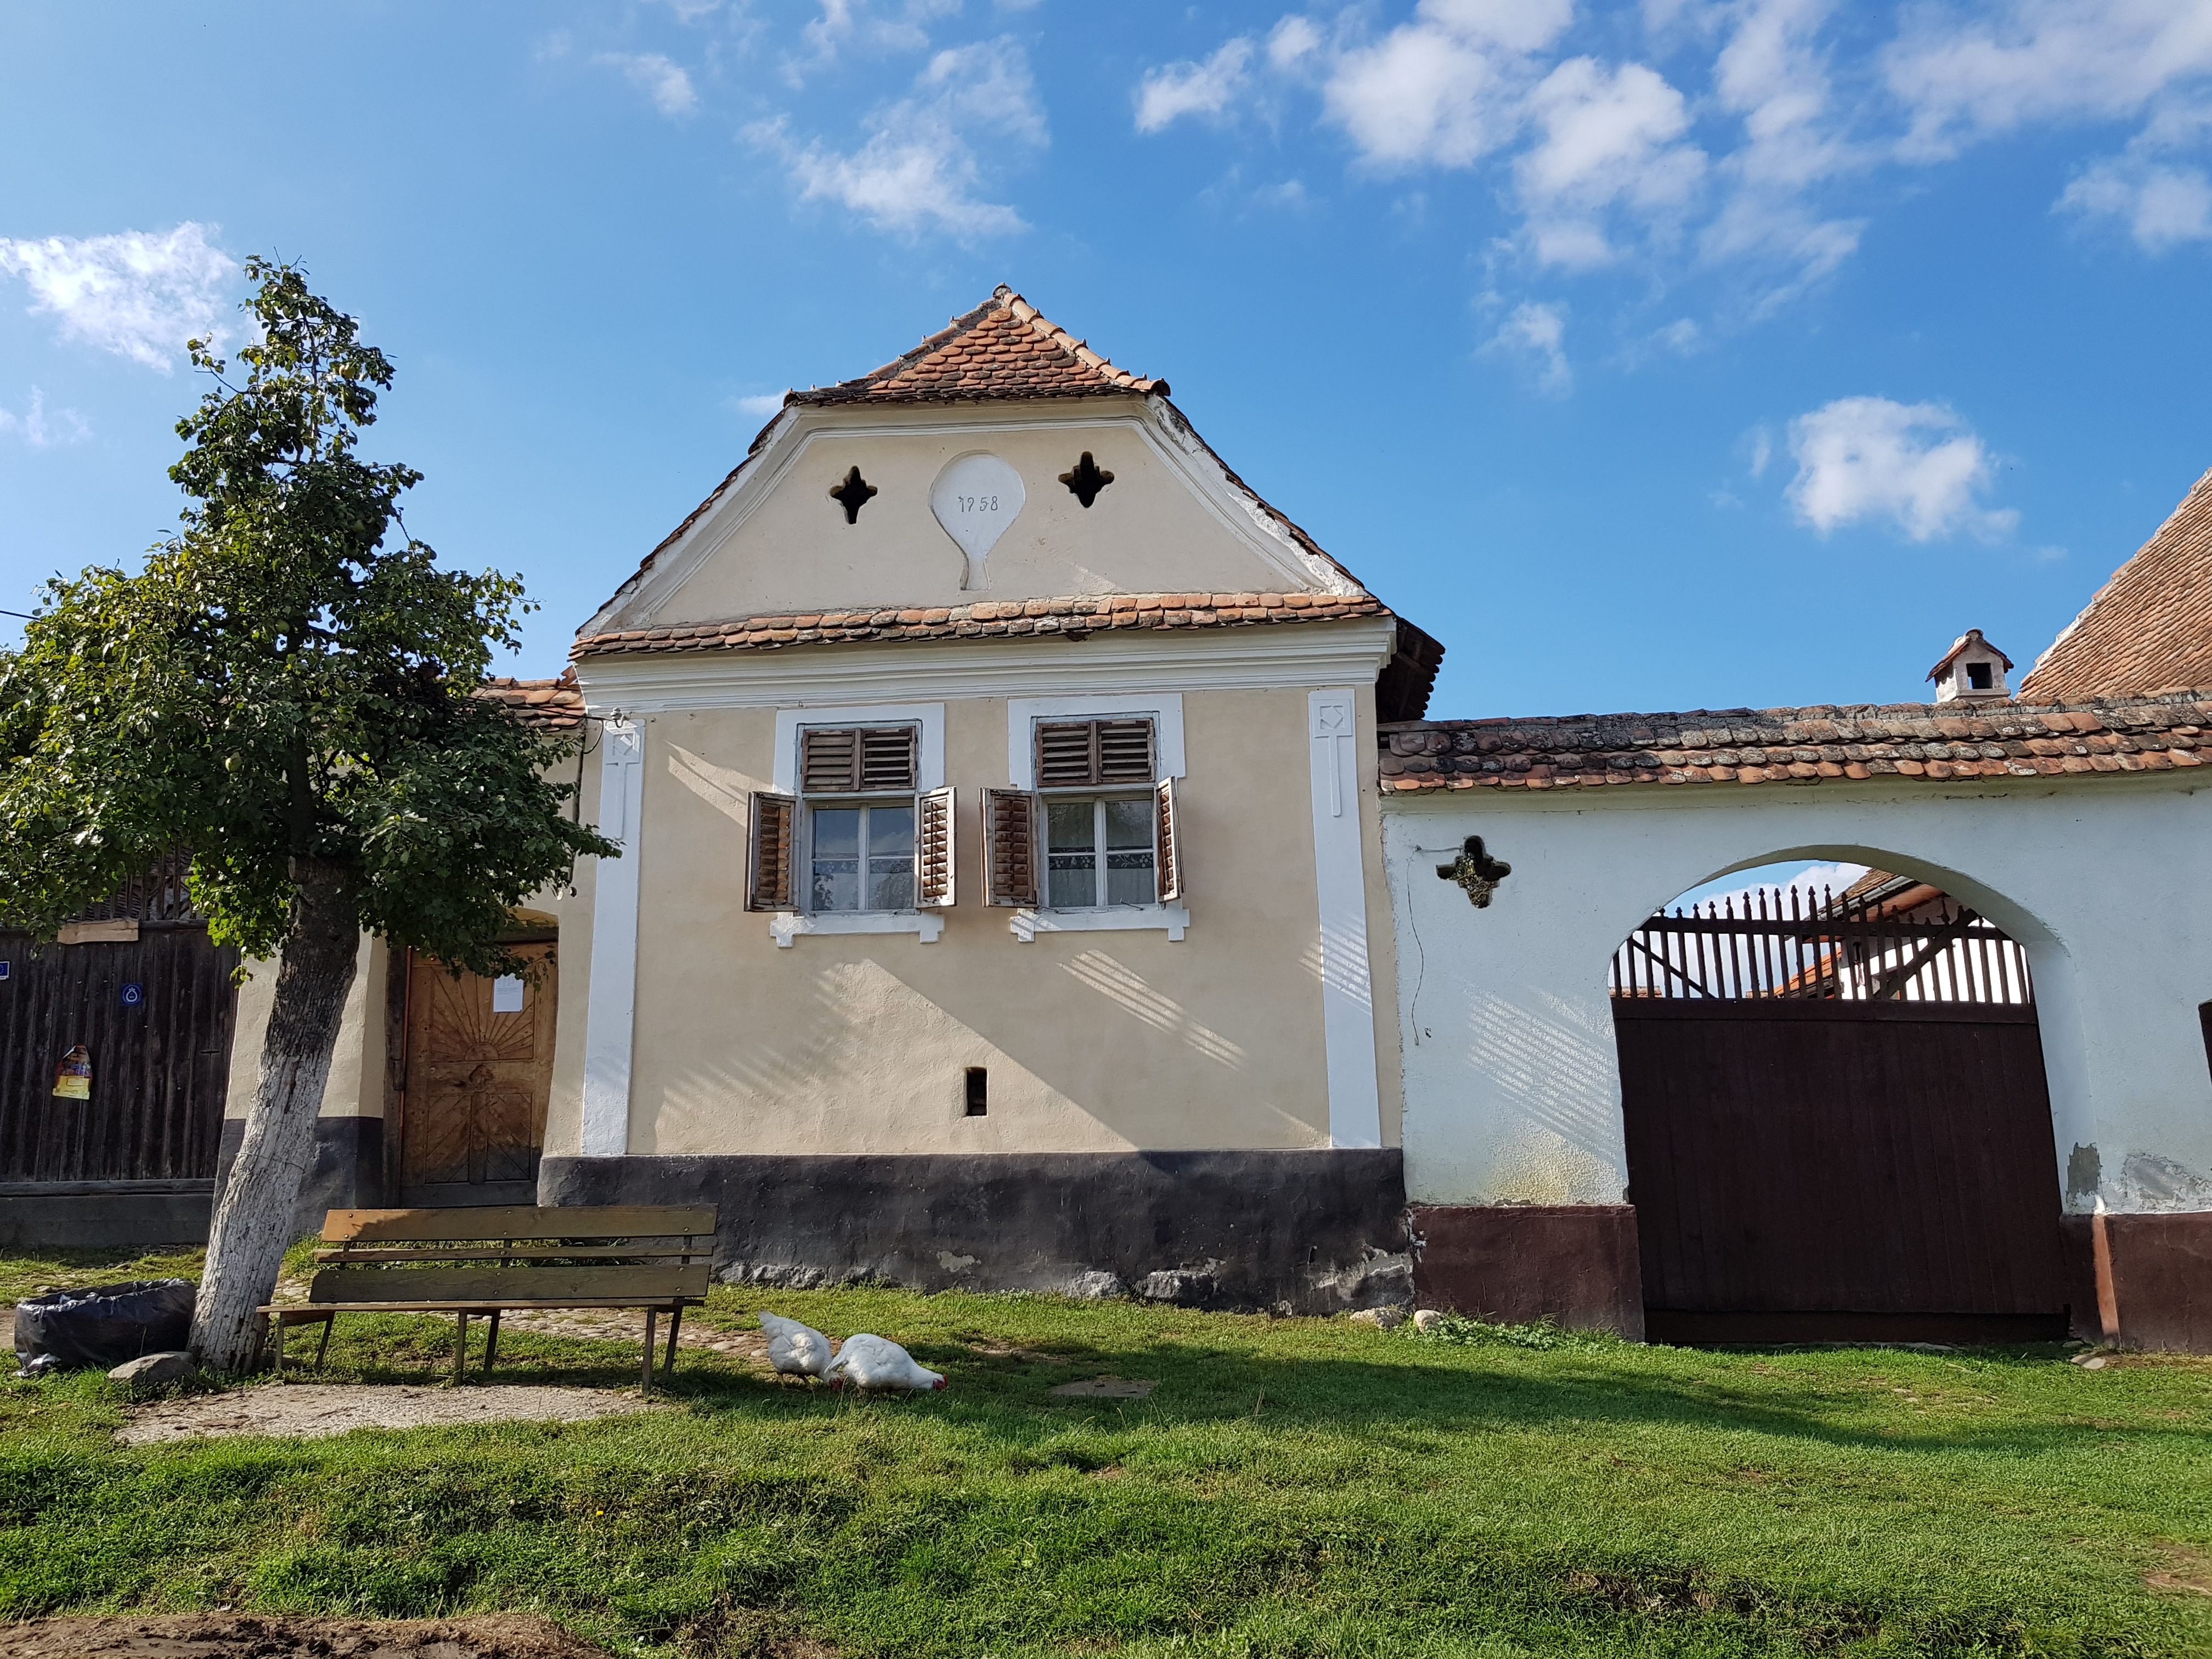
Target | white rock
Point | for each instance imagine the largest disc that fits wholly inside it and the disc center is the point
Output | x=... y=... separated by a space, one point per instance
x=1383 y=1319
x=1427 y=1319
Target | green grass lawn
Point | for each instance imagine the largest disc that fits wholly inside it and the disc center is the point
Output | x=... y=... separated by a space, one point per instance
x=1293 y=1486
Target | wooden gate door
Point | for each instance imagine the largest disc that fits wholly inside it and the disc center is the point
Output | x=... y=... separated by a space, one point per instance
x=1810 y=1162
x=154 y=1015
x=479 y=1072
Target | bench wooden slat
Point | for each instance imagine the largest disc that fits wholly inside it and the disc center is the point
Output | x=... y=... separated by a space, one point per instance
x=292 y=1313
x=521 y=1253
x=511 y=1286
x=521 y=1221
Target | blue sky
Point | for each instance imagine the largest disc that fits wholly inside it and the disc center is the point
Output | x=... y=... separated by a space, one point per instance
x=1678 y=355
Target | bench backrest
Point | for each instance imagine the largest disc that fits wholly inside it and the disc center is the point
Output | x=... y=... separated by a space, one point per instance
x=516 y=1254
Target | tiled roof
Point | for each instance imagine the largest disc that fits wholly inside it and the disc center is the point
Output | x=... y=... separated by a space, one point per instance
x=1081 y=614
x=1920 y=741
x=2149 y=628
x=547 y=705
x=1002 y=348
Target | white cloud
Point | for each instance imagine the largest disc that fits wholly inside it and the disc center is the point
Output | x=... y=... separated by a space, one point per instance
x=1167 y=95
x=666 y=82
x=1607 y=139
x=919 y=171
x=761 y=407
x=845 y=23
x=1445 y=88
x=136 y=294
x=1969 y=76
x=1918 y=465
x=32 y=426
x=2162 y=206
x=1536 y=334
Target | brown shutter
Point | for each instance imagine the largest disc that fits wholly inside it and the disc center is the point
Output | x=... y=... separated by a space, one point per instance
x=769 y=884
x=843 y=761
x=1010 y=846
x=1067 y=755
x=1125 y=751
x=887 y=758
x=829 y=762
x=1167 y=861
x=932 y=850
x=1089 y=754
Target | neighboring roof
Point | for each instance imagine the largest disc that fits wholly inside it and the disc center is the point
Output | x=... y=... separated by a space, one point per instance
x=1002 y=348
x=2149 y=628
x=1970 y=640
x=547 y=705
x=1078 y=616
x=1802 y=745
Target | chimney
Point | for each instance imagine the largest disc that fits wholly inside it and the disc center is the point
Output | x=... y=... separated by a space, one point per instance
x=1972 y=670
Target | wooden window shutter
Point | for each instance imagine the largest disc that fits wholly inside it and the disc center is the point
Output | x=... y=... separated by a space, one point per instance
x=1167 y=864
x=932 y=850
x=1010 y=846
x=768 y=881
x=1092 y=754
x=851 y=761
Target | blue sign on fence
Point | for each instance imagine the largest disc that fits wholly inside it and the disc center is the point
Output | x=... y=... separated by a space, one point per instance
x=133 y=994
x=3 y=971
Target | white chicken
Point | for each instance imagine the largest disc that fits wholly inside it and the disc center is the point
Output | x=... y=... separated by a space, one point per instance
x=795 y=1349
x=870 y=1362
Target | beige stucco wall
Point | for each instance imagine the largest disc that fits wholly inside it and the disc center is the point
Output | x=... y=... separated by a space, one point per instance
x=355 y=1085
x=1094 y=1041
x=1148 y=532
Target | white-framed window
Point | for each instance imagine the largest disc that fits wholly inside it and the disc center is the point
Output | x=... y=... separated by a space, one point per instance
x=854 y=842
x=1092 y=843
x=1100 y=852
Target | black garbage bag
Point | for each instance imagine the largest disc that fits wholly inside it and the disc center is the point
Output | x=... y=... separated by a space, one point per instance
x=107 y=1325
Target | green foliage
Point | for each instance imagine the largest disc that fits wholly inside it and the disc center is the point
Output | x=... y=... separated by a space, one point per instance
x=286 y=682
x=1293 y=1487
x=1541 y=1335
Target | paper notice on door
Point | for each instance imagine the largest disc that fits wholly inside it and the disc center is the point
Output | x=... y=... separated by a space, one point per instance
x=506 y=995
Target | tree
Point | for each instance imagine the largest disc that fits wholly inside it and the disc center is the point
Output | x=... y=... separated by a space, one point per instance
x=285 y=691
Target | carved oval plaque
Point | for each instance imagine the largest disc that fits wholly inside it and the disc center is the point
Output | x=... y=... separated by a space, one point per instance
x=976 y=498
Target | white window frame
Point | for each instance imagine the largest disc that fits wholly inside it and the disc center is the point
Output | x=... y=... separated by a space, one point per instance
x=1024 y=716
x=785 y=925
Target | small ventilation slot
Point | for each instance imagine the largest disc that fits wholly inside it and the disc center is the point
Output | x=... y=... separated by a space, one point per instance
x=979 y=1091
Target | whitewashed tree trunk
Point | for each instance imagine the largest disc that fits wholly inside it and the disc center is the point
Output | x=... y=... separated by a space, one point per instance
x=254 y=1223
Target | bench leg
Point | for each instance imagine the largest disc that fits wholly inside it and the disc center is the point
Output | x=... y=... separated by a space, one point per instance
x=461 y=1346
x=675 y=1324
x=330 y=1321
x=277 y=1319
x=645 y=1382
x=491 y=1341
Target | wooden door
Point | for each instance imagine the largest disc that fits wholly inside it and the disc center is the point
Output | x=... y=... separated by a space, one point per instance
x=1821 y=1168
x=479 y=1071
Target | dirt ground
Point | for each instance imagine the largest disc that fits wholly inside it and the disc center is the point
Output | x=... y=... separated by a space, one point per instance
x=257 y=1635
x=308 y=1410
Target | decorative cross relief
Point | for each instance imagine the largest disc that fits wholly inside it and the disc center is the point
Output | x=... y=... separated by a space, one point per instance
x=1332 y=727
x=1476 y=872
x=624 y=753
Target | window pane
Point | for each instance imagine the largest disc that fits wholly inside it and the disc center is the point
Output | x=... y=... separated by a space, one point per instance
x=1128 y=823
x=890 y=883
x=1068 y=826
x=890 y=832
x=1129 y=879
x=836 y=883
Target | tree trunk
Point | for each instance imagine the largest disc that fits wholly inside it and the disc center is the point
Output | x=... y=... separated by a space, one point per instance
x=253 y=1223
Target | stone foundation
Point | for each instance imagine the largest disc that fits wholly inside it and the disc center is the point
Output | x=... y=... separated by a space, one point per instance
x=1305 y=1232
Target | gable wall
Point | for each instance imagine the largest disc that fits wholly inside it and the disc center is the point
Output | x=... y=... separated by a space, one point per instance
x=1148 y=532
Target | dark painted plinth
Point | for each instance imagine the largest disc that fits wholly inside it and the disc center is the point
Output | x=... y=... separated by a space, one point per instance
x=2148 y=1284
x=1575 y=1264
x=1316 y=1231
x=92 y=1217
x=347 y=1173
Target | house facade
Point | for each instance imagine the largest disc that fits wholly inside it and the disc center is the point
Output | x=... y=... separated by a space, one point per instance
x=1039 y=872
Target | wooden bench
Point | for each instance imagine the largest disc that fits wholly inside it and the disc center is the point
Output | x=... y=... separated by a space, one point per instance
x=484 y=1261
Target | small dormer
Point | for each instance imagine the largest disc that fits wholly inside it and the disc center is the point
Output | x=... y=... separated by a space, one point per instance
x=1972 y=670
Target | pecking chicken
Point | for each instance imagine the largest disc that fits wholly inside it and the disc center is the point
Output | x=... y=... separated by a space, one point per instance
x=795 y=1349
x=870 y=1362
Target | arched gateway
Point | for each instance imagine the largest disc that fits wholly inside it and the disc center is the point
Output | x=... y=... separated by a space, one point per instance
x=1836 y=1120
